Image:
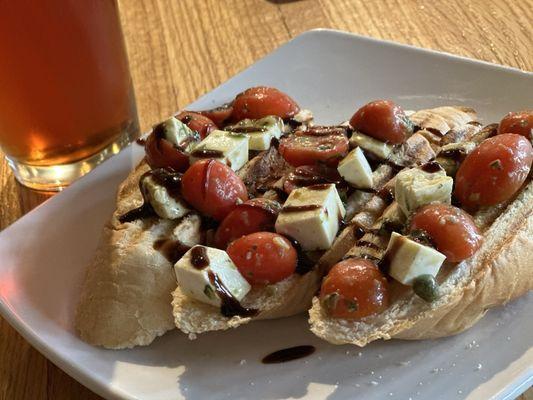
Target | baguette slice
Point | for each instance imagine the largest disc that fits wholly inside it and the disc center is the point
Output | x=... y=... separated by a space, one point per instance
x=286 y=298
x=126 y=295
x=500 y=271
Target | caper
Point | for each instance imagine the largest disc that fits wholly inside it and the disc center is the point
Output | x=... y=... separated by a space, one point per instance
x=426 y=287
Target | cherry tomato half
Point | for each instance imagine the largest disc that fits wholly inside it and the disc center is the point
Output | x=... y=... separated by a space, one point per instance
x=451 y=229
x=254 y=215
x=520 y=123
x=213 y=188
x=353 y=289
x=493 y=171
x=383 y=120
x=197 y=122
x=300 y=149
x=263 y=257
x=219 y=115
x=261 y=101
x=160 y=153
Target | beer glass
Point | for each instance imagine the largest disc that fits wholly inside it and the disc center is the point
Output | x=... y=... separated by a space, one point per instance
x=66 y=96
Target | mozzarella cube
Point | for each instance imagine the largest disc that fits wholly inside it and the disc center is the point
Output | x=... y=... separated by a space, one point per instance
x=197 y=280
x=227 y=147
x=408 y=259
x=311 y=215
x=356 y=170
x=177 y=133
x=165 y=203
x=414 y=188
x=260 y=131
x=378 y=148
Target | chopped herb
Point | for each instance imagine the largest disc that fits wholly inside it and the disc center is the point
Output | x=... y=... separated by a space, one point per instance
x=496 y=164
x=208 y=291
x=351 y=304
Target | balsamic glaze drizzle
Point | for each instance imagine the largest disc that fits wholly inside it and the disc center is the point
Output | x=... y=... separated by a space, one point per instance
x=173 y=250
x=230 y=306
x=167 y=178
x=308 y=207
x=304 y=264
x=144 y=211
x=207 y=153
x=289 y=354
x=199 y=258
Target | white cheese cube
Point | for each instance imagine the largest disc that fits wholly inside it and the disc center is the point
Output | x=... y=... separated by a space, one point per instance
x=196 y=270
x=356 y=170
x=165 y=203
x=260 y=131
x=378 y=148
x=311 y=215
x=227 y=147
x=177 y=133
x=414 y=188
x=408 y=259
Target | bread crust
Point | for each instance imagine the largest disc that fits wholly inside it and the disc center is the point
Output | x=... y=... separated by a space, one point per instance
x=499 y=272
x=126 y=295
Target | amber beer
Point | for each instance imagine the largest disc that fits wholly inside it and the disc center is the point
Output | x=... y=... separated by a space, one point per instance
x=66 y=96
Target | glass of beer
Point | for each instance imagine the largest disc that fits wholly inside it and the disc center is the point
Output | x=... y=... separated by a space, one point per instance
x=66 y=95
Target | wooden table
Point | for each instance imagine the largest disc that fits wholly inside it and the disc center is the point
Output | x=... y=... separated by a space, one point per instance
x=180 y=49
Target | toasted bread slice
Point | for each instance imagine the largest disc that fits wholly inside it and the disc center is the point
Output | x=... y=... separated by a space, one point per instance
x=409 y=317
x=283 y=299
x=499 y=272
x=126 y=295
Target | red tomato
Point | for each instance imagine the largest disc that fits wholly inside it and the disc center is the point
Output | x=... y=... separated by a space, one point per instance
x=300 y=149
x=197 y=122
x=263 y=257
x=520 y=123
x=452 y=230
x=218 y=115
x=254 y=215
x=160 y=153
x=307 y=175
x=494 y=171
x=383 y=120
x=213 y=188
x=261 y=101
x=353 y=289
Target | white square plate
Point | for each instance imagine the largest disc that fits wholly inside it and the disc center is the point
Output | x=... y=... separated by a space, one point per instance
x=45 y=253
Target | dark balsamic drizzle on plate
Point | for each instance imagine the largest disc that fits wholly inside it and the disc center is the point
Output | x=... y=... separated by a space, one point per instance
x=230 y=306
x=289 y=354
